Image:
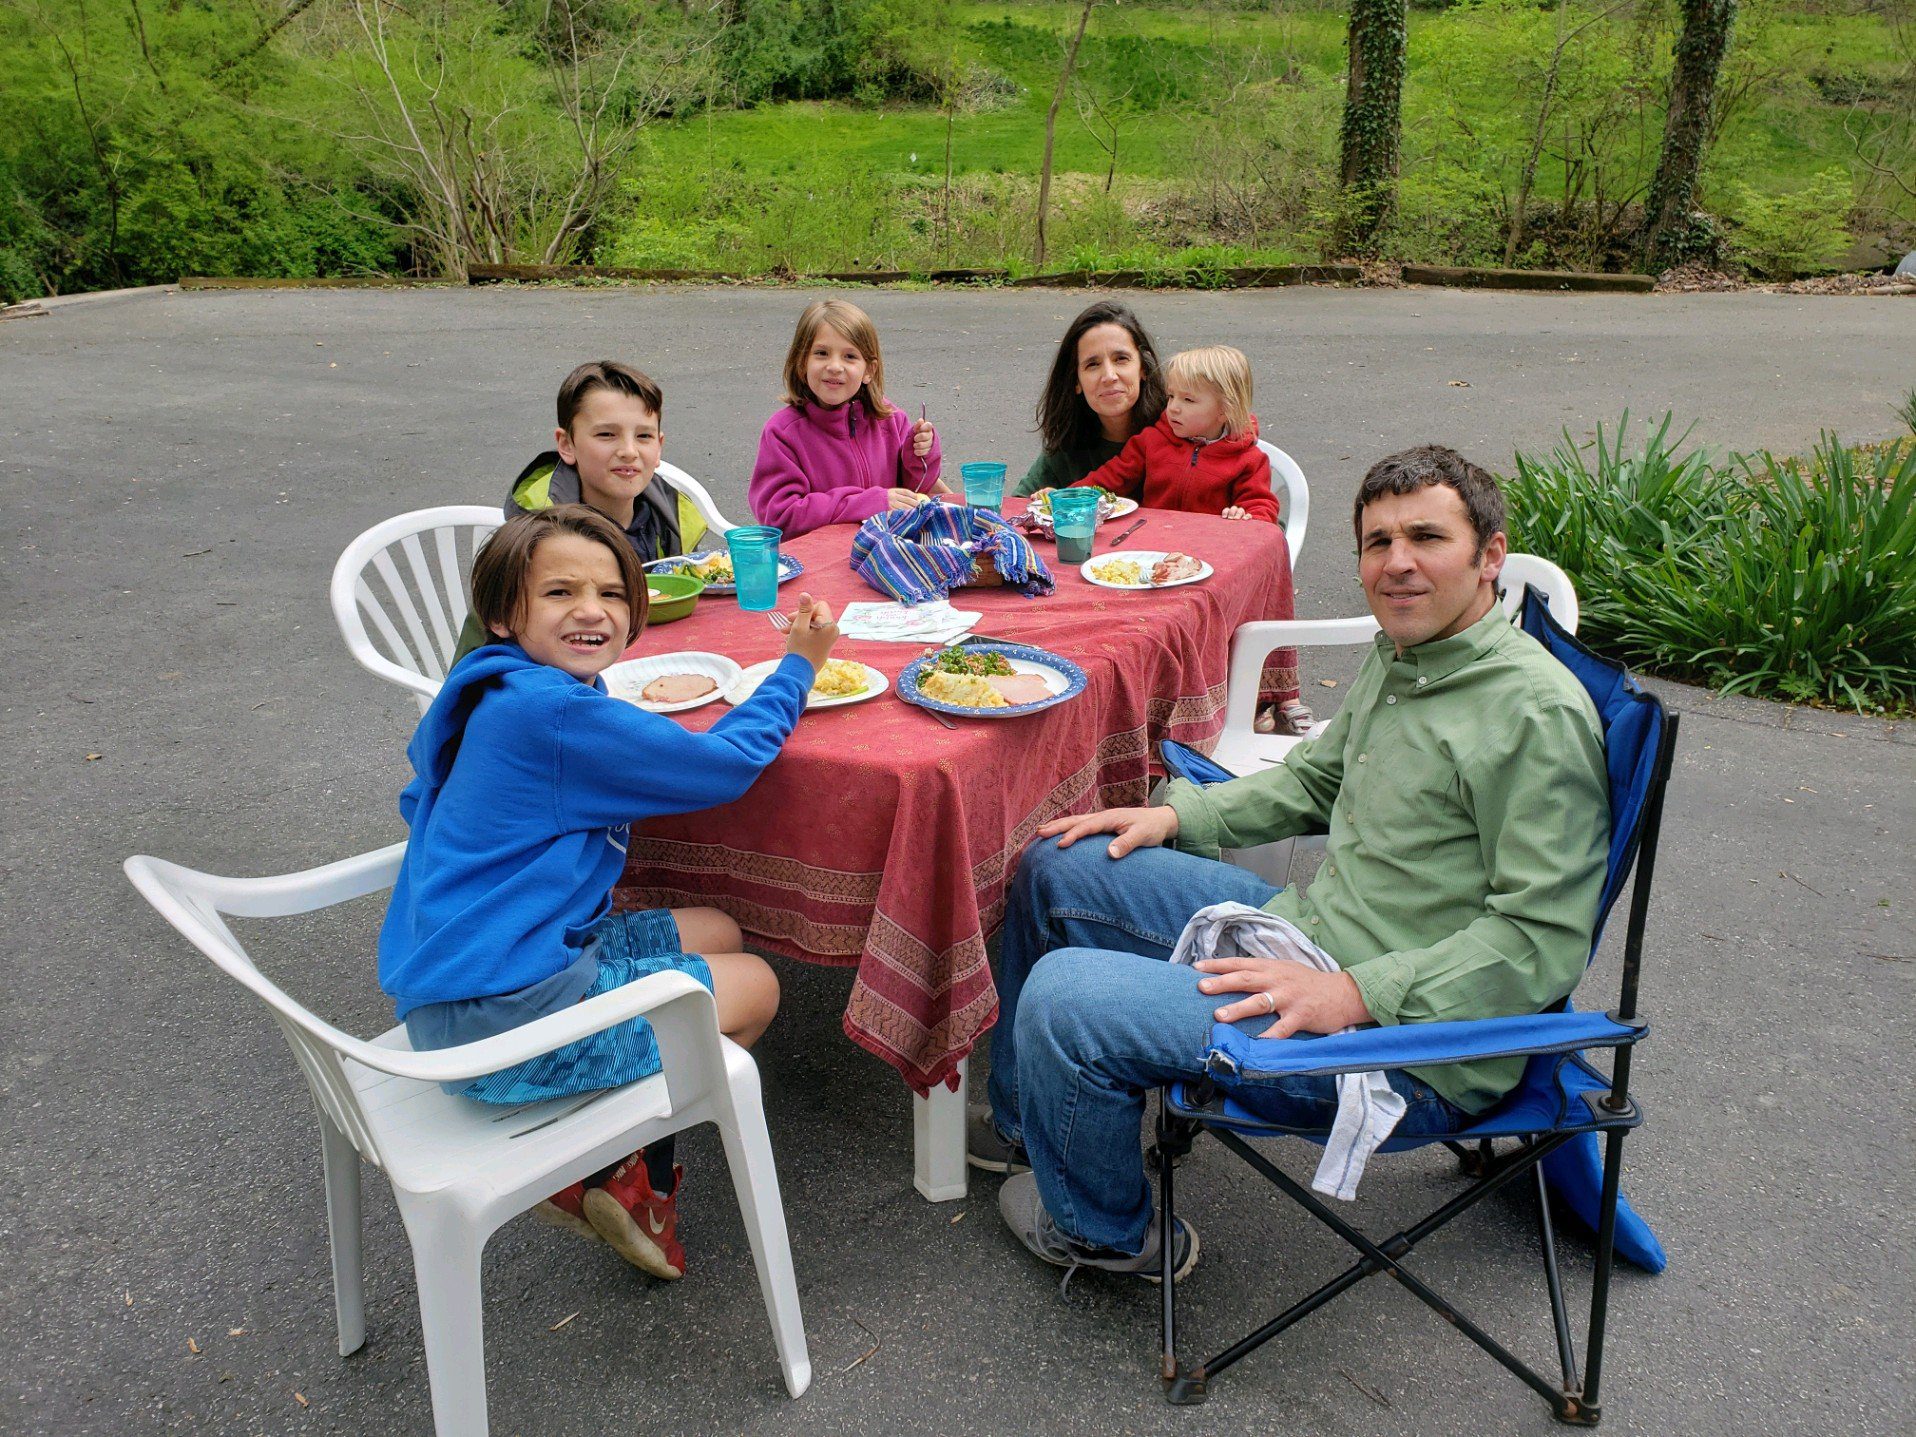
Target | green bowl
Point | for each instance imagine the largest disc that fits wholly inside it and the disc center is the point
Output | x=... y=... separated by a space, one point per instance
x=681 y=594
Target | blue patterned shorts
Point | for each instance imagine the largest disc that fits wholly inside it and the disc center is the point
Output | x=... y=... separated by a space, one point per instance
x=631 y=946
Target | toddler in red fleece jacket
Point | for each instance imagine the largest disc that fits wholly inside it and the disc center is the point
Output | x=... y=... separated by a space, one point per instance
x=1202 y=457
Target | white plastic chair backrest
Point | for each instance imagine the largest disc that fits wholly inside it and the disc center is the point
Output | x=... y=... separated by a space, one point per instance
x=408 y=576
x=1293 y=498
x=193 y=903
x=696 y=492
x=1547 y=579
x=1253 y=642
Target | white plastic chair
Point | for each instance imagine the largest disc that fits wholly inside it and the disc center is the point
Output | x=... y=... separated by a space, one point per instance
x=423 y=567
x=1243 y=750
x=1293 y=498
x=460 y=1169
x=696 y=492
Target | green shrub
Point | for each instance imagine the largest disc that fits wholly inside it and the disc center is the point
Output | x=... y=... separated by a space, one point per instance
x=869 y=50
x=1782 y=235
x=1780 y=578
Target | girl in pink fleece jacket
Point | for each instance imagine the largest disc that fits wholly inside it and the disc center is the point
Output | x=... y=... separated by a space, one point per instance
x=837 y=453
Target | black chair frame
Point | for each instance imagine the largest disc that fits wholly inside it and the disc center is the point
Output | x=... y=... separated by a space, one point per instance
x=1614 y=1113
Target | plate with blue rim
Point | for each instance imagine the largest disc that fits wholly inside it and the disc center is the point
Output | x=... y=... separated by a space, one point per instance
x=788 y=568
x=1064 y=678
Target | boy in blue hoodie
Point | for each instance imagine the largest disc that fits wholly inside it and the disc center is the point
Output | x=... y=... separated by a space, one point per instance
x=528 y=776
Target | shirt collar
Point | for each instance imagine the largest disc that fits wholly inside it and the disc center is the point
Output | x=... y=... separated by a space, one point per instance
x=1439 y=658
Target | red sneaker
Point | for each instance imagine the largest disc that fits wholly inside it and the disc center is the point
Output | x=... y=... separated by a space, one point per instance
x=566 y=1209
x=641 y=1224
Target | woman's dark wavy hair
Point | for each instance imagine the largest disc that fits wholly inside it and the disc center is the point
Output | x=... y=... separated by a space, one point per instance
x=1065 y=421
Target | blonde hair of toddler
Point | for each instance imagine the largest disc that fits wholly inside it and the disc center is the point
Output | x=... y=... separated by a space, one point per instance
x=1220 y=368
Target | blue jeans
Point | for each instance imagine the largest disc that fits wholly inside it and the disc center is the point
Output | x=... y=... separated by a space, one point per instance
x=1085 y=1034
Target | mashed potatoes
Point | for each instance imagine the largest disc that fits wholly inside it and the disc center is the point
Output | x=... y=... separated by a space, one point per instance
x=841 y=678
x=967 y=690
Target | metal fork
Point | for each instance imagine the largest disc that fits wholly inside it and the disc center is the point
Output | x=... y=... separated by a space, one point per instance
x=780 y=622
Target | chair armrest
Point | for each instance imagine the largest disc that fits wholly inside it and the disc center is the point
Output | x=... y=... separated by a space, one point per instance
x=1234 y=1058
x=274 y=896
x=377 y=664
x=1253 y=643
x=651 y=994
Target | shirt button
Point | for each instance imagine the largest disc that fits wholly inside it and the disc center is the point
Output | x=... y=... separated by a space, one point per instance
x=1363 y=758
x=1391 y=700
x=1422 y=680
x=1333 y=870
x=1315 y=918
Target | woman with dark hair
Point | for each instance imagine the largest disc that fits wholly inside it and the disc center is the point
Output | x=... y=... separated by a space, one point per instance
x=1105 y=385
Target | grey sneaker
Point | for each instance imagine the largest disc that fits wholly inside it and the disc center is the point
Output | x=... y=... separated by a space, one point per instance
x=1024 y=1213
x=987 y=1148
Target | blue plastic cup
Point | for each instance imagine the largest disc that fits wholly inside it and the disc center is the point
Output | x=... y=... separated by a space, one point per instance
x=984 y=485
x=1074 y=522
x=754 y=551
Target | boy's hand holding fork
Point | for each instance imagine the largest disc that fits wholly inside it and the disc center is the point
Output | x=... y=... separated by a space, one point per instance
x=813 y=631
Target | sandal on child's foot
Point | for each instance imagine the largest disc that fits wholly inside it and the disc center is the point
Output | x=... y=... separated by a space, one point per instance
x=566 y=1209
x=641 y=1224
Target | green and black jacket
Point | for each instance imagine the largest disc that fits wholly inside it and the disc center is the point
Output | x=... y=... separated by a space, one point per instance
x=676 y=525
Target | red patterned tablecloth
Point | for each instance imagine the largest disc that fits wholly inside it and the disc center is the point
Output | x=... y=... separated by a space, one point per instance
x=882 y=839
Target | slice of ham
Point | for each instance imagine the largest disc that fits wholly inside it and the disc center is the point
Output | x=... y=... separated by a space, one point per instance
x=1173 y=567
x=677 y=688
x=1020 y=688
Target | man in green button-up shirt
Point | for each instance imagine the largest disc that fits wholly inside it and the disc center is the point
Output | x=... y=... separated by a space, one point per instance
x=1462 y=786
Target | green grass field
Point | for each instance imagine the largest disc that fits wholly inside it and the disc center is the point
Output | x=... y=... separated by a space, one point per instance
x=1228 y=124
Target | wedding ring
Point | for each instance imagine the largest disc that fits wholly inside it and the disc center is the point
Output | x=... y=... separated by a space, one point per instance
x=1270 y=1003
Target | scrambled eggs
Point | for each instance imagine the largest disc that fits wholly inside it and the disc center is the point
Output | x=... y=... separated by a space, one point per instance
x=840 y=678
x=1119 y=571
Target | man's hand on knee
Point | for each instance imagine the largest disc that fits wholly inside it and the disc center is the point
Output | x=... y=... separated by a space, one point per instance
x=1302 y=999
x=1134 y=827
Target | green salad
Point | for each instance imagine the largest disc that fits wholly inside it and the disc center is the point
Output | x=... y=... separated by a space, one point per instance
x=960 y=660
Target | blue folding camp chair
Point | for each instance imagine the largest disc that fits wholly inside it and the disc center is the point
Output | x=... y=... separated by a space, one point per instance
x=1554 y=1114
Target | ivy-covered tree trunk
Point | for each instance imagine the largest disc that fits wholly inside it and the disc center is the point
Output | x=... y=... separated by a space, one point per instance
x=1700 y=47
x=1373 y=119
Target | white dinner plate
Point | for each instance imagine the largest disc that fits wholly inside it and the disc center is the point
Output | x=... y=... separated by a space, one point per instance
x=626 y=680
x=746 y=684
x=1109 y=509
x=1144 y=558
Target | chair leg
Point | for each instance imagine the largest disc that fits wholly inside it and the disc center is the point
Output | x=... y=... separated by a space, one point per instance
x=1181 y=1389
x=1591 y=1406
x=748 y=1153
x=1553 y=1282
x=446 y=1250
x=343 y=1229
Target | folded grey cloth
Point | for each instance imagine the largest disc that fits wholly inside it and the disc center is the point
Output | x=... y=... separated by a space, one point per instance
x=1368 y=1108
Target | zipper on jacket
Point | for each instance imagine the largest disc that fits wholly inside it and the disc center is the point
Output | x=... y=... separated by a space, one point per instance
x=851 y=426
